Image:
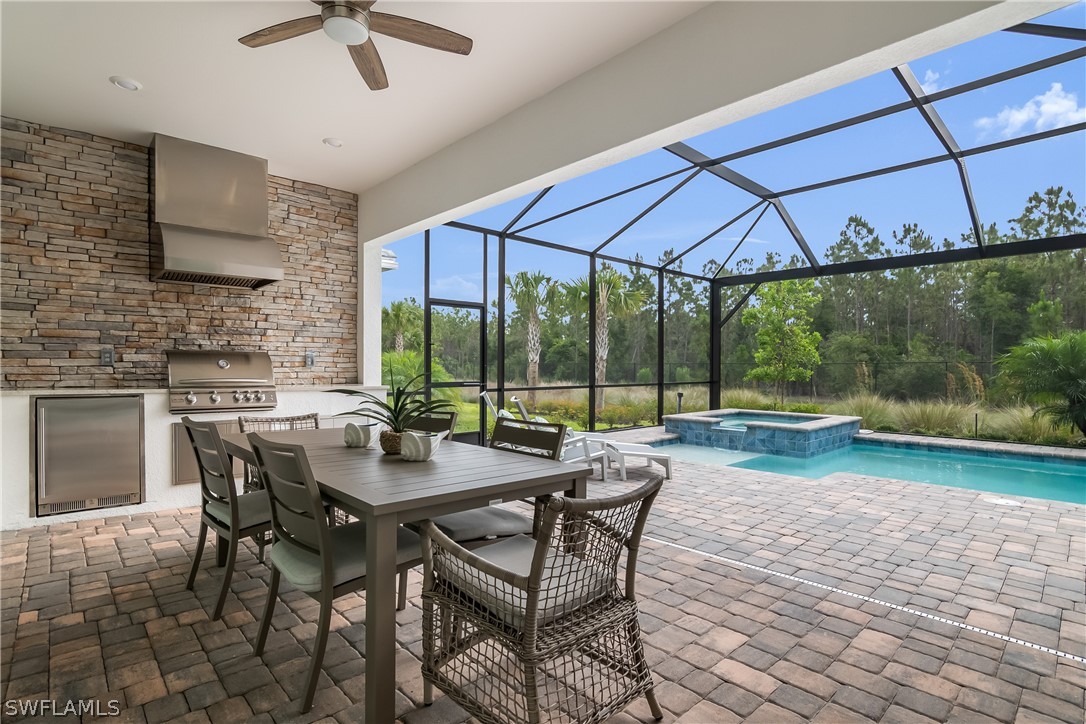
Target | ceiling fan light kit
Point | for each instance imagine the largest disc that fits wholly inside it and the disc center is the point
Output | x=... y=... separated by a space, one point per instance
x=345 y=25
x=350 y=23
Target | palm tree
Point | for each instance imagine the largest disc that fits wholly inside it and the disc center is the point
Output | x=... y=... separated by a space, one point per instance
x=402 y=319
x=613 y=297
x=1051 y=371
x=530 y=291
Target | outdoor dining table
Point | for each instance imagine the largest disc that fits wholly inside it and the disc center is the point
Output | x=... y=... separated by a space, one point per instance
x=386 y=490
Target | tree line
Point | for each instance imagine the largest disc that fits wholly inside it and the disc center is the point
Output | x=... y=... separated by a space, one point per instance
x=906 y=333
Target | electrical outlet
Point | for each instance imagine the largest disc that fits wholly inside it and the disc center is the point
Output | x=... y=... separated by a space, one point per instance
x=310 y=359
x=105 y=357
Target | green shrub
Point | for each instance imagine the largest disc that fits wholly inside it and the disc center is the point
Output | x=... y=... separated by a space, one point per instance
x=1022 y=424
x=743 y=399
x=877 y=412
x=936 y=417
x=807 y=407
x=646 y=376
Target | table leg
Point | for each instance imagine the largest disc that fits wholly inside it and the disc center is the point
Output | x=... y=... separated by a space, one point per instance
x=381 y=619
x=579 y=489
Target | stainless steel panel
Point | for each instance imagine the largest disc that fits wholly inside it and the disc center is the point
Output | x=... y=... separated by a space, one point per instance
x=209 y=188
x=88 y=448
x=185 y=470
x=214 y=257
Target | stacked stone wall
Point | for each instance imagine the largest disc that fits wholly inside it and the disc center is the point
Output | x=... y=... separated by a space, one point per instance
x=75 y=274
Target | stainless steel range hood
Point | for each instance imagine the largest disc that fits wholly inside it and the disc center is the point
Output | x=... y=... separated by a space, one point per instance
x=210 y=217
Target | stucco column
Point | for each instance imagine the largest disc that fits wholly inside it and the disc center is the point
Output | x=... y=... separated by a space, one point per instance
x=369 y=313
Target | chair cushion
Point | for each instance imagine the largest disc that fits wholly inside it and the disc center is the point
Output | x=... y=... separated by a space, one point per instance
x=253 y=509
x=568 y=582
x=483 y=523
x=302 y=568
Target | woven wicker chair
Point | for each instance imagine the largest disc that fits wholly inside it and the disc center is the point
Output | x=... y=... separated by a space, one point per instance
x=248 y=424
x=324 y=561
x=230 y=515
x=538 y=630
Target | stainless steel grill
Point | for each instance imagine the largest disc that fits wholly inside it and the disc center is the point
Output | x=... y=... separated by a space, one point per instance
x=209 y=380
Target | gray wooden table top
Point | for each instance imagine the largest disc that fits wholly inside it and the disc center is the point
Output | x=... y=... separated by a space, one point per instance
x=367 y=482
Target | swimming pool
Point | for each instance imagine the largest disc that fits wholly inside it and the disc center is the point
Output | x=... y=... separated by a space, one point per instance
x=1051 y=480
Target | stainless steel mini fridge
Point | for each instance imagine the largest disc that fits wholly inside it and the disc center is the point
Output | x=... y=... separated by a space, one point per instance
x=88 y=452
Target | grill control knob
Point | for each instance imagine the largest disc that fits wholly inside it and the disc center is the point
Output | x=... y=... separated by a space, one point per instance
x=190 y=398
x=237 y=396
x=248 y=396
x=260 y=397
x=215 y=398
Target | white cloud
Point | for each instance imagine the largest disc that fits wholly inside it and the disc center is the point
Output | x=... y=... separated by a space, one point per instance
x=455 y=287
x=1054 y=109
x=930 y=84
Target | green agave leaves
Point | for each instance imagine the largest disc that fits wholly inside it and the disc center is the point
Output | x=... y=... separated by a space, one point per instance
x=400 y=409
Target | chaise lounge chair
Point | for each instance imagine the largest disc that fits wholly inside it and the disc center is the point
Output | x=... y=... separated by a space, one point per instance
x=616 y=451
x=619 y=451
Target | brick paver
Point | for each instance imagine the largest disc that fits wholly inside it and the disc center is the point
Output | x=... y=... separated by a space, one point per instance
x=98 y=610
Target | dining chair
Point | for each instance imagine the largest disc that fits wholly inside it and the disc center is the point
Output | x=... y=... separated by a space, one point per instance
x=435 y=422
x=540 y=630
x=324 y=561
x=232 y=516
x=247 y=424
x=481 y=526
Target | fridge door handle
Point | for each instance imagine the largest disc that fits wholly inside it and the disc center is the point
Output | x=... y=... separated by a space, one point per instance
x=40 y=445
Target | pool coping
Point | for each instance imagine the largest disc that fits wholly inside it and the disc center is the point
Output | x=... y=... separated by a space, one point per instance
x=985 y=448
x=816 y=421
x=658 y=436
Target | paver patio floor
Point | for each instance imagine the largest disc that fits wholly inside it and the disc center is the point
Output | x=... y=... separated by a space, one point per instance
x=764 y=598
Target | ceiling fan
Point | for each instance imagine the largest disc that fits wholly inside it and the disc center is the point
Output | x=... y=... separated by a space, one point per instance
x=351 y=22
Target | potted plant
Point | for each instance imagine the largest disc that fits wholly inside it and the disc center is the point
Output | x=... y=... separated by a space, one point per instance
x=397 y=413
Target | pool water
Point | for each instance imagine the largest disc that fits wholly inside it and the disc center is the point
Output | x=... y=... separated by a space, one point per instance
x=1051 y=480
x=741 y=420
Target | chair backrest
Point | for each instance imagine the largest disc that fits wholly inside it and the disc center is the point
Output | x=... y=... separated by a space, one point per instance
x=216 y=472
x=580 y=541
x=310 y=421
x=541 y=439
x=298 y=516
x=574 y=561
x=434 y=422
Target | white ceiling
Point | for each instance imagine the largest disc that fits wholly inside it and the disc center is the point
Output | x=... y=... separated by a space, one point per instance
x=279 y=101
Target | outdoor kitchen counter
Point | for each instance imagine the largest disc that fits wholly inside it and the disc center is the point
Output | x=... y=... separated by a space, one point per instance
x=160 y=492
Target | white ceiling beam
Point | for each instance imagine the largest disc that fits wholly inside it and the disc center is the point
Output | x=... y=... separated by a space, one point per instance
x=723 y=63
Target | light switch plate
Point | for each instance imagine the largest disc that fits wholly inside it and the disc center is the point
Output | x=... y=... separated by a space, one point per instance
x=310 y=359
x=105 y=357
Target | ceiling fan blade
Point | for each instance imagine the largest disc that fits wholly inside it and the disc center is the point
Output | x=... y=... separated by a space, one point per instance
x=368 y=61
x=282 y=31
x=420 y=33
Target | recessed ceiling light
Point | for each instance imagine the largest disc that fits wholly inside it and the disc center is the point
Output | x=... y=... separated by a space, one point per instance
x=128 y=84
x=333 y=142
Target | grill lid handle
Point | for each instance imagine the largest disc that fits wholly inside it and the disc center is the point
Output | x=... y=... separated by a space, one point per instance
x=212 y=381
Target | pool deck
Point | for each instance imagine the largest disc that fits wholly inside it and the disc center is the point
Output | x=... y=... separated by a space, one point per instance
x=764 y=598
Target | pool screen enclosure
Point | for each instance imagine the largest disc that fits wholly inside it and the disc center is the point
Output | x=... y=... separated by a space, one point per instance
x=764 y=199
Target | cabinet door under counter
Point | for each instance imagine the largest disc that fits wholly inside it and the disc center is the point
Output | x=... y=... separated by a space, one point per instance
x=185 y=469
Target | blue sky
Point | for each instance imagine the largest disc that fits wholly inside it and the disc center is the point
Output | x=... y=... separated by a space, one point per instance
x=930 y=196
